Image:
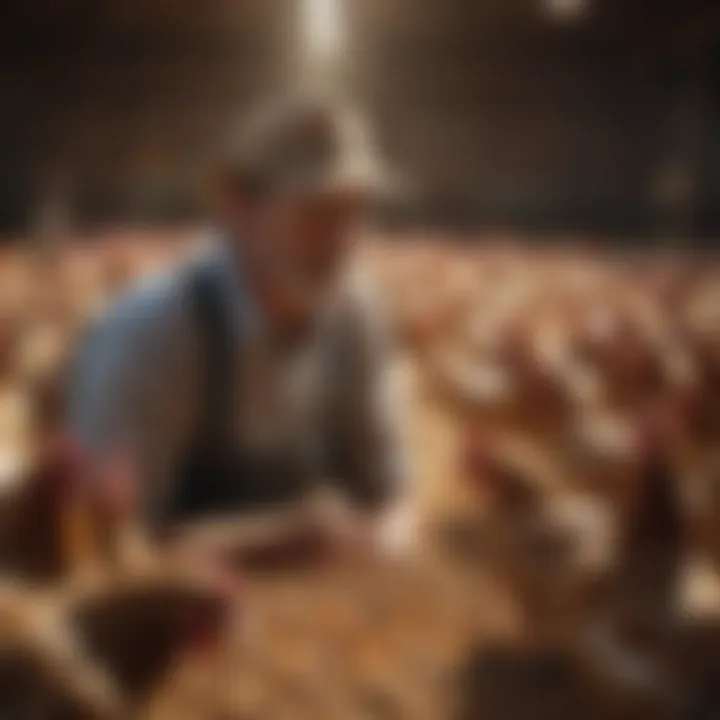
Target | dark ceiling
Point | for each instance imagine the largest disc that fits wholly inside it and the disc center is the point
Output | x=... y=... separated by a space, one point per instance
x=493 y=106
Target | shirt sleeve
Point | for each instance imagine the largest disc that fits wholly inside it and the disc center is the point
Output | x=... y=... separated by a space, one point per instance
x=369 y=448
x=131 y=391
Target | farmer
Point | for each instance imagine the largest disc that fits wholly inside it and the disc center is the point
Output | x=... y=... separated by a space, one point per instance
x=243 y=380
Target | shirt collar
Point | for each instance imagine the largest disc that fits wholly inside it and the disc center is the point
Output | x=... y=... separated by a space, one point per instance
x=248 y=315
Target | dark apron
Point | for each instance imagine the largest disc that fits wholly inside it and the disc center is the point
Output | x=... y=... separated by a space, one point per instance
x=215 y=478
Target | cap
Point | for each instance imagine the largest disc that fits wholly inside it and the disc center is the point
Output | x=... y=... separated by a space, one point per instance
x=309 y=144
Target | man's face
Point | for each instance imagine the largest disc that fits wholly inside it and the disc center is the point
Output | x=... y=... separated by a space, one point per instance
x=312 y=232
x=300 y=242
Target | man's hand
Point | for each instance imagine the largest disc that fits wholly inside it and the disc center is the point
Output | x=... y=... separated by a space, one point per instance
x=330 y=530
x=322 y=530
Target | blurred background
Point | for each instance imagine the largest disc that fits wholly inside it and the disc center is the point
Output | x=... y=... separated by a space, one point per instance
x=593 y=116
x=564 y=419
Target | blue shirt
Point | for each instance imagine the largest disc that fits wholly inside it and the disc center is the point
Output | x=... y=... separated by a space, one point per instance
x=138 y=380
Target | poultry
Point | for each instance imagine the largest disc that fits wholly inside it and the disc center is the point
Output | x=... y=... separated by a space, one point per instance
x=66 y=518
x=602 y=622
x=100 y=650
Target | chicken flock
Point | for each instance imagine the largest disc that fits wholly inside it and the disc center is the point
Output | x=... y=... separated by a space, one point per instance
x=566 y=496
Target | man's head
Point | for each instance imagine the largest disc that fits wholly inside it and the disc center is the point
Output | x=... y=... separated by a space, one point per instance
x=292 y=189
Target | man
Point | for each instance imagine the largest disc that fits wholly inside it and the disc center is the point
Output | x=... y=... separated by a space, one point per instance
x=243 y=380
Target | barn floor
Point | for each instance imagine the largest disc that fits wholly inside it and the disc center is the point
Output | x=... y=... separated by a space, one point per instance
x=379 y=639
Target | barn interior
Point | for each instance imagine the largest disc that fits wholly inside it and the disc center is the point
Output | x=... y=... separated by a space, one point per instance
x=548 y=267
x=564 y=114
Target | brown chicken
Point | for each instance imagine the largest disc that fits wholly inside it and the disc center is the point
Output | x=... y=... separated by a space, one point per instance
x=101 y=651
x=68 y=517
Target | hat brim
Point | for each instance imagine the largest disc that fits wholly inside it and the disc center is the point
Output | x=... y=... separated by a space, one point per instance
x=369 y=180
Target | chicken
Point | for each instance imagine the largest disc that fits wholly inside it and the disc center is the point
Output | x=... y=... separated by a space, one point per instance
x=136 y=627
x=43 y=671
x=66 y=518
x=32 y=514
x=546 y=544
x=631 y=614
x=599 y=623
x=99 y=651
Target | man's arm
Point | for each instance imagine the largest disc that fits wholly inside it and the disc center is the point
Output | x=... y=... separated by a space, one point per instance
x=131 y=392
